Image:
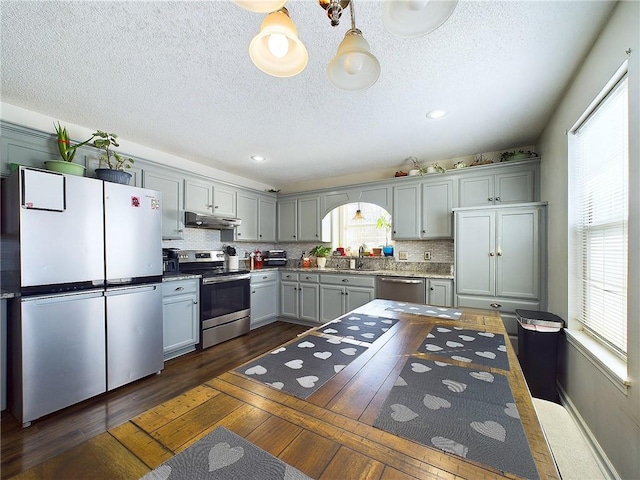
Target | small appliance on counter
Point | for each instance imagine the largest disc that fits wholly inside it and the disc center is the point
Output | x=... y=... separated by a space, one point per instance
x=232 y=258
x=170 y=262
x=275 y=258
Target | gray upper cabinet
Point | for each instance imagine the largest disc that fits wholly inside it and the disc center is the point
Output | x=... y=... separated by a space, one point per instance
x=266 y=219
x=258 y=215
x=299 y=219
x=406 y=212
x=209 y=198
x=516 y=184
x=437 y=209
x=287 y=220
x=309 y=219
x=170 y=184
x=247 y=209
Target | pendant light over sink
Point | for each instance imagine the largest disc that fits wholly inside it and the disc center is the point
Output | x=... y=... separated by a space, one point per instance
x=278 y=51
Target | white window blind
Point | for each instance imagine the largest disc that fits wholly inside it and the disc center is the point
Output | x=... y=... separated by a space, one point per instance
x=602 y=161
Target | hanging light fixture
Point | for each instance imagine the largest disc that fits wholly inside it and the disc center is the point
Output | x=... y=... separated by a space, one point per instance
x=261 y=6
x=277 y=50
x=415 y=18
x=354 y=67
x=358 y=215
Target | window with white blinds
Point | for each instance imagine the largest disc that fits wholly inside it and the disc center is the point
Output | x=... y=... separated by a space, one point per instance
x=601 y=161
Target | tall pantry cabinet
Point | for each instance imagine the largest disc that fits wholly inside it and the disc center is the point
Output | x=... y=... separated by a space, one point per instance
x=500 y=259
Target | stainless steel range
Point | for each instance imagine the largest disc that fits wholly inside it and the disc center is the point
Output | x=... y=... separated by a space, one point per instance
x=224 y=295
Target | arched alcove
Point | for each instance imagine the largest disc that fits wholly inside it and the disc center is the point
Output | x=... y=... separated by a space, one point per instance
x=357 y=224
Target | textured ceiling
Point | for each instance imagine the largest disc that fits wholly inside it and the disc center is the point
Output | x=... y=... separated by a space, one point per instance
x=176 y=76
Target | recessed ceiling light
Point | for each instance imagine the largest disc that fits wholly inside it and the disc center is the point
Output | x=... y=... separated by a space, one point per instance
x=257 y=158
x=434 y=114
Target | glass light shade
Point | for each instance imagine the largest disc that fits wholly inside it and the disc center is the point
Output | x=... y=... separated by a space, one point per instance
x=415 y=18
x=285 y=62
x=354 y=67
x=261 y=6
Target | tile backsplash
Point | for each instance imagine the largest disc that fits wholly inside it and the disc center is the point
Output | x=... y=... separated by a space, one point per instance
x=441 y=250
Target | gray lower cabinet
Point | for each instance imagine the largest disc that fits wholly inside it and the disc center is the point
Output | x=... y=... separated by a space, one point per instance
x=340 y=294
x=299 y=296
x=264 y=297
x=440 y=292
x=171 y=186
x=181 y=316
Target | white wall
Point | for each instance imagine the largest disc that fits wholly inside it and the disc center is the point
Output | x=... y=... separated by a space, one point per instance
x=612 y=417
x=28 y=118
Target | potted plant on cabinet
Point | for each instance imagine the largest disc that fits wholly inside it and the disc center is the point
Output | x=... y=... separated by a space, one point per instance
x=67 y=153
x=384 y=221
x=115 y=164
x=320 y=252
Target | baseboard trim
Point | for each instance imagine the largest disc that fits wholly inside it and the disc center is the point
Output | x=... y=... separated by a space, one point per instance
x=598 y=453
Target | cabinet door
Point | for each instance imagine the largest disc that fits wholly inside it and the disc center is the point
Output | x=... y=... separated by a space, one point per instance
x=289 y=299
x=264 y=302
x=475 y=252
x=406 y=212
x=171 y=188
x=440 y=293
x=179 y=330
x=247 y=207
x=476 y=191
x=309 y=219
x=266 y=220
x=518 y=253
x=198 y=197
x=356 y=297
x=309 y=301
x=224 y=201
x=287 y=221
x=331 y=302
x=515 y=187
x=437 y=205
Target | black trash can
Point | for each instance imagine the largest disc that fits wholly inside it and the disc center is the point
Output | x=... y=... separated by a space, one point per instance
x=538 y=334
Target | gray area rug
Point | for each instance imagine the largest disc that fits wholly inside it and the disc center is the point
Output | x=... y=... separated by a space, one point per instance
x=366 y=328
x=468 y=346
x=223 y=455
x=426 y=310
x=302 y=367
x=460 y=410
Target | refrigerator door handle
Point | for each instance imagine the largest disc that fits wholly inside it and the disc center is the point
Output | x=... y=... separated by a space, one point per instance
x=63 y=297
x=129 y=289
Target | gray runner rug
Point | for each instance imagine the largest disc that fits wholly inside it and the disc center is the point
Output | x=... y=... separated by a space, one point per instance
x=460 y=410
x=223 y=455
x=426 y=310
x=300 y=368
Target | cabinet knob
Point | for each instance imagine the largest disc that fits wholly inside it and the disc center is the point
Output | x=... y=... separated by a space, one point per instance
x=253 y=291
x=195 y=302
x=346 y=293
x=499 y=253
x=209 y=206
x=424 y=231
x=265 y=277
x=177 y=289
x=260 y=235
x=431 y=288
x=495 y=305
x=490 y=199
x=345 y=280
x=239 y=233
x=491 y=254
x=497 y=199
x=394 y=232
x=180 y=230
x=215 y=206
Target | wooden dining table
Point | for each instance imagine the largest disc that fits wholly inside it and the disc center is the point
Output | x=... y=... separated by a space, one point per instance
x=330 y=434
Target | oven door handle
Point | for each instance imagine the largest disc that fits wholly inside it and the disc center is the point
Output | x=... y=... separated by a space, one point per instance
x=226 y=278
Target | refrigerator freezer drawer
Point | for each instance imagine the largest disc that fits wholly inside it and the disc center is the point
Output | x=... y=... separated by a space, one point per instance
x=58 y=353
x=134 y=333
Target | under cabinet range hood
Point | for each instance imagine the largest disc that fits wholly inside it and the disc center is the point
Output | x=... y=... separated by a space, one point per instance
x=195 y=220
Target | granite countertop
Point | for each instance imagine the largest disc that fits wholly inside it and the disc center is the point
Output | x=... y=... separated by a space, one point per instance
x=386 y=273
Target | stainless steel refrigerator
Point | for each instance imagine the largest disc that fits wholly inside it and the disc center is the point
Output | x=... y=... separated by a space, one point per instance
x=87 y=261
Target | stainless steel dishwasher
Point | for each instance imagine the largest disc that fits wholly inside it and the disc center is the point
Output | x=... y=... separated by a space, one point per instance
x=402 y=289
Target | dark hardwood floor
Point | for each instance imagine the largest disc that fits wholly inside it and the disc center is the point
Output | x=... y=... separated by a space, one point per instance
x=23 y=448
